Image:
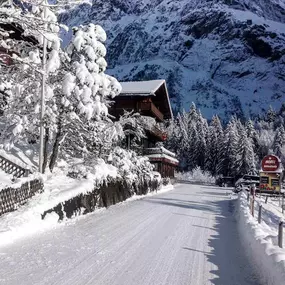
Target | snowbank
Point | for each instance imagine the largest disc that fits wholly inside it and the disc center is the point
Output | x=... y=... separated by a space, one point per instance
x=259 y=244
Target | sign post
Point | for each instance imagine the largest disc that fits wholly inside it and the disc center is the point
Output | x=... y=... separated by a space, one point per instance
x=270 y=174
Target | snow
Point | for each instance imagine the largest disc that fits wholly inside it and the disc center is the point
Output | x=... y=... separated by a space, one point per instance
x=16 y=156
x=5 y=179
x=185 y=236
x=161 y=150
x=247 y=15
x=261 y=243
x=196 y=175
x=141 y=87
x=27 y=219
x=162 y=155
x=68 y=84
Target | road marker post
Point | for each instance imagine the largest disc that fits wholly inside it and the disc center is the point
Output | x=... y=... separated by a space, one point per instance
x=259 y=213
x=280 y=234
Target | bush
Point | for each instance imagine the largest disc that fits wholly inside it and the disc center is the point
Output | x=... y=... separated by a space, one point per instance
x=196 y=175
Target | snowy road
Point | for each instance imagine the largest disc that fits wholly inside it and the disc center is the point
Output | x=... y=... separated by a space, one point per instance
x=185 y=236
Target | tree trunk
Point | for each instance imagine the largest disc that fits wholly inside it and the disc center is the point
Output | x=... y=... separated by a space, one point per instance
x=46 y=149
x=56 y=146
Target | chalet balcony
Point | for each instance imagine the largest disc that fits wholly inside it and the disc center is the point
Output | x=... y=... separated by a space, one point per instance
x=150 y=108
x=158 y=133
x=160 y=154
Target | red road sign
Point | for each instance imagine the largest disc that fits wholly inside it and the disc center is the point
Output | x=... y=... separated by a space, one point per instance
x=270 y=163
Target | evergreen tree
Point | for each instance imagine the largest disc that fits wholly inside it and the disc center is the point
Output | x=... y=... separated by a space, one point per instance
x=183 y=144
x=193 y=115
x=245 y=163
x=228 y=156
x=77 y=89
x=214 y=145
x=270 y=115
x=193 y=154
x=201 y=146
x=279 y=142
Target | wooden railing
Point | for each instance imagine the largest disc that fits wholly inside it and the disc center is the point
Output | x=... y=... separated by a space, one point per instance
x=11 y=168
x=149 y=106
x=12 y=198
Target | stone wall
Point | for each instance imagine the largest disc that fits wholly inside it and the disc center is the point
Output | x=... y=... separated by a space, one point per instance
x=104 y=196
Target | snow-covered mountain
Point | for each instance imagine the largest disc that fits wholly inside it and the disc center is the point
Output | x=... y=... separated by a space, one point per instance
x=228 y=56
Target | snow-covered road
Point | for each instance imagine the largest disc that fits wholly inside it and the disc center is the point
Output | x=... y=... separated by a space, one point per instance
x=185 y=236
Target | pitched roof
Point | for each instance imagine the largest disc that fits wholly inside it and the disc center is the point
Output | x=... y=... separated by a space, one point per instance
x=149 y=88
x=141 y=87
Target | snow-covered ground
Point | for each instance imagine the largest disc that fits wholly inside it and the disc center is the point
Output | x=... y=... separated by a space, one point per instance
x=5 y=179
x=261 y=240
x=185 y=236
x=27 y=220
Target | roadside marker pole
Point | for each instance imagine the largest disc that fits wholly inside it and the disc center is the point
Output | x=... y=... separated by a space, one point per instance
x=252 y=207
x=259 y=213
x=280 y=234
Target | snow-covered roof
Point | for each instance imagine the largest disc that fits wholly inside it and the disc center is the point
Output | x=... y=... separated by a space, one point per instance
x=141 y=87
x=162 y=155
x=148 y=88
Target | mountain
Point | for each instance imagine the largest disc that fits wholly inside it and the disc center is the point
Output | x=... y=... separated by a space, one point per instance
x=227 y=56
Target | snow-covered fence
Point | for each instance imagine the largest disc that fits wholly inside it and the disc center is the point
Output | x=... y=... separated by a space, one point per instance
x=12 y=198
x=11 y=168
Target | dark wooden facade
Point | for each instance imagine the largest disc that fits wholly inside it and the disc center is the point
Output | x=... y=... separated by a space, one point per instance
x=153 y=104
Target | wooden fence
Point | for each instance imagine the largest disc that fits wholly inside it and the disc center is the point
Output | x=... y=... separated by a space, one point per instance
x=12 y=198
x=11 y=168
x=251 y=204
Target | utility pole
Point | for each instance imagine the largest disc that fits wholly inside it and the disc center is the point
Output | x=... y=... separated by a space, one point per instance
x=43 y=90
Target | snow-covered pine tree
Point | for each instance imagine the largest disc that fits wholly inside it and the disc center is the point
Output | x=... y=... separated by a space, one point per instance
x=193 y=154
x=228 y=152
x=214 y=144
x=235 y=130
x=245 y=162
x=87 y=91
x=183 y=147
x=26 y=26
x=279 y=142
x=192 y=115
x=173 y=136
x=201 y=144
x=270 y=115
x=76 y=92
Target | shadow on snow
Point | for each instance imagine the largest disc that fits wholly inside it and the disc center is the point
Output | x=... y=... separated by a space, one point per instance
x=228 y=253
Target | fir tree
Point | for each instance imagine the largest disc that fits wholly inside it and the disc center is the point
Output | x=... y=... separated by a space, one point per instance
x=245 y=163
x=270 y=115
x=214 y=143
x=201 y=145
x=279 y=142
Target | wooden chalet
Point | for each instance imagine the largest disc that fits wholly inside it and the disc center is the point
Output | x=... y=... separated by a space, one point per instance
x=150 y=99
